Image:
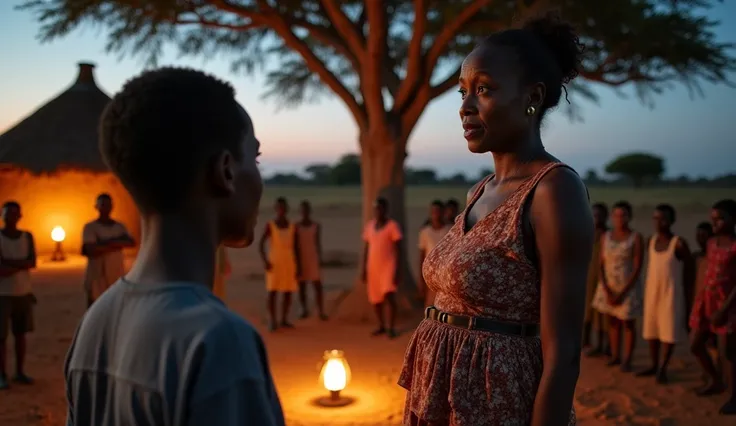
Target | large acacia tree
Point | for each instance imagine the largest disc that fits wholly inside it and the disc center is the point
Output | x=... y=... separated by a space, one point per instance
x=386 y=60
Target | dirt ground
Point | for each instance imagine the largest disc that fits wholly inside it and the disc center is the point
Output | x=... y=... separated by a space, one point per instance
x=604 y=396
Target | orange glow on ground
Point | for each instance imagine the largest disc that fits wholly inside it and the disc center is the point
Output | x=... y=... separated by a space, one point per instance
x=65 y=199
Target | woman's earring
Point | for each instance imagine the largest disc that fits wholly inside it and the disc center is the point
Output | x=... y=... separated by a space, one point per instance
x=530 y=111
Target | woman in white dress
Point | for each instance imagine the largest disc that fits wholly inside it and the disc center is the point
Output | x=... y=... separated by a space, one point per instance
x=668 y=270
x=619 y=292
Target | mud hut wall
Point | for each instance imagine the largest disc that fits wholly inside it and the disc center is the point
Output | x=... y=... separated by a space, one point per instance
x=67 y=199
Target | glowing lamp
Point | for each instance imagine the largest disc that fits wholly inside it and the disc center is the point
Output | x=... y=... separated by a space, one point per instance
x=335 y=375
x=58 y=235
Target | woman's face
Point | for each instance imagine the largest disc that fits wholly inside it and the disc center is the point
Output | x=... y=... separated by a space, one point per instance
x=722 y=222
x=436 y=213
x=494 y=100
x=600 y=217
x=240 y=211
x=661 y=220
x=620 y=218
x=379 y=211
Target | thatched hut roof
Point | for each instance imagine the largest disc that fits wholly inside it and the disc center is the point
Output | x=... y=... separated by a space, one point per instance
x=62 y=133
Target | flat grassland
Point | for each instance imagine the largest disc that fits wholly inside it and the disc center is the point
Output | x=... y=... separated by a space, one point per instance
x=604 y=396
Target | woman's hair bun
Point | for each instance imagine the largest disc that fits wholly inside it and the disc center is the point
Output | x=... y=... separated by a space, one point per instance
x=561 y=39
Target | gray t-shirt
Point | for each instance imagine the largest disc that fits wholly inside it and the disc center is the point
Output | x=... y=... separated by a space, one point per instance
x=167 y=355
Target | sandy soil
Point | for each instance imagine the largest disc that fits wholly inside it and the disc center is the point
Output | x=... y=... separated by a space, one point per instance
x=604 y=396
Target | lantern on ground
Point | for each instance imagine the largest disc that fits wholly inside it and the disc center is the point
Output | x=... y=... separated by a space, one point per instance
x=334 y=377
x=58 y=235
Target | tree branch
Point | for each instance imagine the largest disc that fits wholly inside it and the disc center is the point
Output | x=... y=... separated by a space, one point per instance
x=414 y=65
x=446 y=84
x=280 y=25
x=345 y=27
x=371 y=76
x=449 y=32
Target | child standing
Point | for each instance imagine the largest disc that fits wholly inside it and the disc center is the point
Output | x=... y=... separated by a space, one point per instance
x=714 y=310
x=103 y=241
x=17 y=258
x=703 y=233
x=619 y=292
x=309 y=242
x=593 y=318
x=281 y=263
x=381 y=265
x=429 y=236
x=668 y=271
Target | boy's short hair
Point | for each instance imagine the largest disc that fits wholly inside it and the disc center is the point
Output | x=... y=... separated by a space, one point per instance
x=438 y=203
x=705 y=226
x=668 y=210
x=728 y=206
x=162 y=129
x=11 y=204
x=104 y=196
x=625 y=206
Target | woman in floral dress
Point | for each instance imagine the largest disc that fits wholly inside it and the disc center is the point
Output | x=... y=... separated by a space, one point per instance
x=619 y=294
x=714 y=311
x=516 y=258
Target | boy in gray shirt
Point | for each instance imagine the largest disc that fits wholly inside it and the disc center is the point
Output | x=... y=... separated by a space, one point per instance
x=158 y=348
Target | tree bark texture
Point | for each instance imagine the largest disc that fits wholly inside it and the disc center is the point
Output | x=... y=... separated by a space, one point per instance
x=382 y=168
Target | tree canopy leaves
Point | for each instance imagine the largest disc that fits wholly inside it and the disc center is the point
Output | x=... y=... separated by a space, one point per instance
x=390 y=58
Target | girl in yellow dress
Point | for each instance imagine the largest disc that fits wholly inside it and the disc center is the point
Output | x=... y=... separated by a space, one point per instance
x=281 y=263
x=222 y=273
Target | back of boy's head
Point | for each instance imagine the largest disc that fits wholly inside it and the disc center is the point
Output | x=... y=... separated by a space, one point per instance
x=160 y=132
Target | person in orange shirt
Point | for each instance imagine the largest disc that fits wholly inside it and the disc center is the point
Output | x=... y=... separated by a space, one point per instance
x=381 y=264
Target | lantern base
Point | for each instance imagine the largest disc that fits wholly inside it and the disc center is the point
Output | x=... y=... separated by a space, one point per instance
x=334 y=400
x=58 y=255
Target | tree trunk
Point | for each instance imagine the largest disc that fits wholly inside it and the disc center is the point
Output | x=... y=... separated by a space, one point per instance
x=382 y=168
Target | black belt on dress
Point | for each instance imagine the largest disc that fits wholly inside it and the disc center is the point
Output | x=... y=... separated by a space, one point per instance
x=482 y=324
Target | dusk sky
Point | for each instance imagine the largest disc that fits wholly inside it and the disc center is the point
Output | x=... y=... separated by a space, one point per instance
x=696 y=135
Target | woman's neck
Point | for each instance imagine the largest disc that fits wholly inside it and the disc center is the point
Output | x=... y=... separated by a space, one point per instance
x=510 y=165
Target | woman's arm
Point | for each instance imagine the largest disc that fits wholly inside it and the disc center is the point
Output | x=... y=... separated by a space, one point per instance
x=564 y=233
x=11 y=266
x=319 y=243
x=297 y=257
x=262 y=246
x=682 y=252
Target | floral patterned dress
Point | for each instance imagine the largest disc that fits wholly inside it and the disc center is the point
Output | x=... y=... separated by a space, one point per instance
x=719 y=282
x=461 y=377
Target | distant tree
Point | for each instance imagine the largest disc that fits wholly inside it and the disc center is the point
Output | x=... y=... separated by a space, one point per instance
x=285 y=179
x=456 y=179
x=591 y=177
x=347 y=170
x=420 y=176
x=482 y=173
x=637 y=167
x=386 y=60
x=682 y=180
x=319 y=174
